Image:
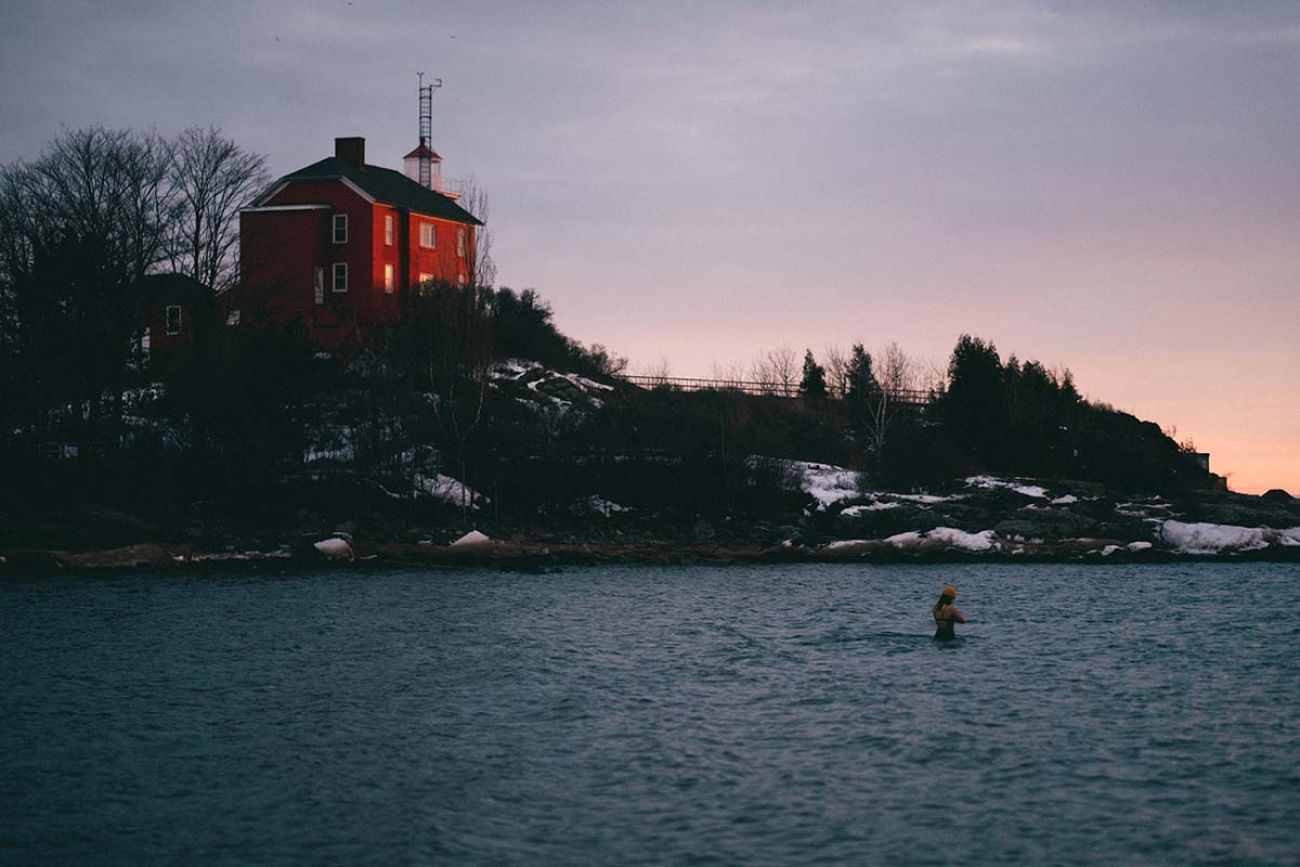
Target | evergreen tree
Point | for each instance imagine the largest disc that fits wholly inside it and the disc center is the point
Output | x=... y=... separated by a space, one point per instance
x=813 y=383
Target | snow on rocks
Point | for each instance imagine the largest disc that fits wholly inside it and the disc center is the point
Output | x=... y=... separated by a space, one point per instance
x=539 y=386
x=449 y=490
x=826 y=483
x=596 y=504
x=330 y=442
x=1224 y=538
x=860 y=510
x=1036 y=491
x=940 y=538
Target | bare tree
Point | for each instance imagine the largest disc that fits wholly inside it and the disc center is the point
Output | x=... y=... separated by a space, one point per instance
x=473 y=198
x=837 y=371
x=80 y=226
x=212 y=178
x=777 y=371
x=729 y=375
x=658 y=372
x=895 y=372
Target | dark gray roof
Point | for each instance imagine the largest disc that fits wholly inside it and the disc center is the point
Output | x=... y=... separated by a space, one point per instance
x=172 y=288
x=389 y=187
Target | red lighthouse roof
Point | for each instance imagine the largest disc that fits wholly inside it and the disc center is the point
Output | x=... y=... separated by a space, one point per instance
x=423 y=151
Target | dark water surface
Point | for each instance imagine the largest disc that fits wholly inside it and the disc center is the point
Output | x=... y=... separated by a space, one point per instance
x=767 y=715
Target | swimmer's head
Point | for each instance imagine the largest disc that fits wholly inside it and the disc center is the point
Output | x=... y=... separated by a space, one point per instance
x=948 y=591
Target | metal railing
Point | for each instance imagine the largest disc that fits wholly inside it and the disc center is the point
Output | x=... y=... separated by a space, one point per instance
x=752 y=387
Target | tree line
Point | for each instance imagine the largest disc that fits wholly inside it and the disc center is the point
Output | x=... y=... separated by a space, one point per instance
x=80 y=225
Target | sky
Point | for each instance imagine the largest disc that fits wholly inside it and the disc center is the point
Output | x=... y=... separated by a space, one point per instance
x=1109 y=187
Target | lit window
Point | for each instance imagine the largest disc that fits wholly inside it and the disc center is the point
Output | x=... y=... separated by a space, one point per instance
x=388 y=229
x=340 y=228
x=428 y=235
x=388 y=279
x=460 y=242
x=426 y=278
x=340 y=276
x=173 y=319
x=318 y=288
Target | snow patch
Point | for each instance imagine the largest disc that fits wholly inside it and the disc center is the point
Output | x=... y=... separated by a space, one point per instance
x=860 y=510
x=827 y=484
x=449 y=490
x=1204 y=538
x=944 y=537
x=599 y=505
x=990 y=482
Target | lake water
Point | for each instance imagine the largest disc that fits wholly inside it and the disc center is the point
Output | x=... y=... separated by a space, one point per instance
x=649 y=715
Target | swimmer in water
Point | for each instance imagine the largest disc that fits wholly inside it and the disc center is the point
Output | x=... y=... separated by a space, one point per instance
x=947 y=615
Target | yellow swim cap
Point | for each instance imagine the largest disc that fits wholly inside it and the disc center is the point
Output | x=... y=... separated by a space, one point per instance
x=948 y=590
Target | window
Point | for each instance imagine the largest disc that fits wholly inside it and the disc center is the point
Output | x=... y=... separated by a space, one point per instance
x=318 y=288
x=340 y=276
x=173 y=319
x=388 y=279
x=426 y=278
x=340 y=228
x=428 y=235
x=389 y=227
x=460 y=242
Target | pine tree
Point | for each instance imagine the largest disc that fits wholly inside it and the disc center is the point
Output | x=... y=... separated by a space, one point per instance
x=813 y=383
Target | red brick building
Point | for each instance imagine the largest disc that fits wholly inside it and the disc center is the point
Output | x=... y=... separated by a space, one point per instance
x=173 y=313
x=340 y=245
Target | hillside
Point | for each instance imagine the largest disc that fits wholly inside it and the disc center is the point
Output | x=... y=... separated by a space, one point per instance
x=492 y=419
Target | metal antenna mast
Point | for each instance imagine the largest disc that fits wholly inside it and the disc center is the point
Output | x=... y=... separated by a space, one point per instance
x=426 y=127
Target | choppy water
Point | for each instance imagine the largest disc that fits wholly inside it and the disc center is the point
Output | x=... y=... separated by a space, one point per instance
x=773 y=715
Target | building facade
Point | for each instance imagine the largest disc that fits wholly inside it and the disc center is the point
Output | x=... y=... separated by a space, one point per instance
x=341 y=246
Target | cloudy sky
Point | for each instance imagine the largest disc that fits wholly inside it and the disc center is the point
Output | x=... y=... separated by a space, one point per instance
x=1112 y=187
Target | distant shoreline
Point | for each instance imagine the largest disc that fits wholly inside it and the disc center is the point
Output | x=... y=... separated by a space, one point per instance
x=541 y=557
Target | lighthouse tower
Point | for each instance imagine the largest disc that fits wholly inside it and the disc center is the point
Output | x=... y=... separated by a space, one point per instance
x=423 y=165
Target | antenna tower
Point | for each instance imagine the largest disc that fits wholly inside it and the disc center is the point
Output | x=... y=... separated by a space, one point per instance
x=426 y=127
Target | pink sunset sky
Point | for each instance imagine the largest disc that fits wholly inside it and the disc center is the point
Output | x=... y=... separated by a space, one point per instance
x=1108 y=187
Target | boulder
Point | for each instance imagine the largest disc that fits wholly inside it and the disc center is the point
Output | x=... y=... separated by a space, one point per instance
x=472 y=539
x=335 y=548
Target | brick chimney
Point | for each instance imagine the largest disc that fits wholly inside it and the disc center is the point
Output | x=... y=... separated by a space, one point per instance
x=351 y=151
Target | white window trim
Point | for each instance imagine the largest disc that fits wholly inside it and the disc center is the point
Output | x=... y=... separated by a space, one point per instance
x=390 y=230
x=389 y=279
x=460 y=242
x=167 y=319
x=339 y=268
x=432 y=230
x=335 y=225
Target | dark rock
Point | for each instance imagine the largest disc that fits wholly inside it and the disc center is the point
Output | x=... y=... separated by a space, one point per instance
x=1277 y=495
x=1047 y=524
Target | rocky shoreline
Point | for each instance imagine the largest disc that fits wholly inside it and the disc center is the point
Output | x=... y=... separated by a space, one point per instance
x=513 y=556
x=979 y=519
